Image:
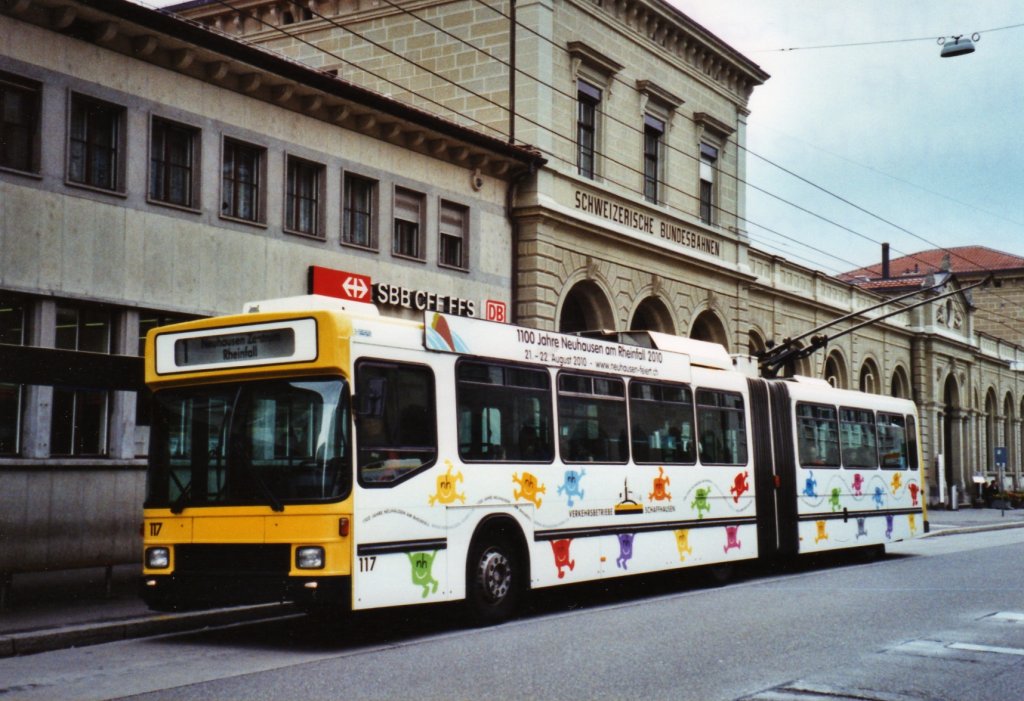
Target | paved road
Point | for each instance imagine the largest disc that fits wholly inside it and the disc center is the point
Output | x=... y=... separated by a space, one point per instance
x=939 y=618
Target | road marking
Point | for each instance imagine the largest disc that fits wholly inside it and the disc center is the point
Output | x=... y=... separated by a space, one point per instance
x=970 y=647
x=1010 y=616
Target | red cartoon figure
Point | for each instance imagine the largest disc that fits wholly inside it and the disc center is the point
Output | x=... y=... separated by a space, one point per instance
x=914 y=489
x=858 y=484
x=661 y=483
x=561 y=551
x=739 y=485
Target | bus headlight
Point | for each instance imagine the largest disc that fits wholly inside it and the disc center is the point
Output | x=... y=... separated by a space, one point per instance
x=309 y=557
x=158 y=558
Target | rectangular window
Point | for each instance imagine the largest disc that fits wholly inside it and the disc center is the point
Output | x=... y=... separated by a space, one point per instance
x=12 y=332
x=147 y=321
x=95 y=143
x=654 y=132
x=454 y=234
x=592 y=419
x=722 y=425
x=359 y=219
x=408 y=236
x=242 y=185
x=302 y=197
x=588 y=101
x=893 y=443
x=662 y=428
x=708 y=164
x=817 y=430
x=78 y=424
x=396 y=421
x=173 y=157
x=19 y=124
x=504 y=413
x=857 y=438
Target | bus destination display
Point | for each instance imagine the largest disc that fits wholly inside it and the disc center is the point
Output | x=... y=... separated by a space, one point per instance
x=239 y=346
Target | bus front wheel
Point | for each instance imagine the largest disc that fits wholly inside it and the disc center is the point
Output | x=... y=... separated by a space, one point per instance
x=494 y=580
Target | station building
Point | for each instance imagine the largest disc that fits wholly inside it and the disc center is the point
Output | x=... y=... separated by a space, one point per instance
x=167 y=165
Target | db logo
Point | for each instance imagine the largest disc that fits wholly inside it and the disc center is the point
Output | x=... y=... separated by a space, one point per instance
x=495 y=311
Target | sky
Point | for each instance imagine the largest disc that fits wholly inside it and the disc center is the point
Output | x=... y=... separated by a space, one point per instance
x=890 y=142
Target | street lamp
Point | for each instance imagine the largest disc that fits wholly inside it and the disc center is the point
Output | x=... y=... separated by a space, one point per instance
x=957 y=45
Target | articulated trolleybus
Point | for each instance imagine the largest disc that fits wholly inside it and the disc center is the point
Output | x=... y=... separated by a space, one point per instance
x=314 y=451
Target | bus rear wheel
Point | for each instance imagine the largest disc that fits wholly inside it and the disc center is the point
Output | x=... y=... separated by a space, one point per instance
x=494 y=581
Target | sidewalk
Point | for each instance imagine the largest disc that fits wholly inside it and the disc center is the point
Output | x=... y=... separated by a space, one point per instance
x=53 y=610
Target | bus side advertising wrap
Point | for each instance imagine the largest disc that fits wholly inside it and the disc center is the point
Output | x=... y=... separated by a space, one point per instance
x=455 y=334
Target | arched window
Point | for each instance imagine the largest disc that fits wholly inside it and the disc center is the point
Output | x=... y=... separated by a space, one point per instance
x=708 y=327
x=585 y=309
x=835 y=371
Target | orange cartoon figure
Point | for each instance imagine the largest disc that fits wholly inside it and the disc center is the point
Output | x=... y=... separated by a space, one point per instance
x=446 y=493
x=528 y=488
x=661 y=483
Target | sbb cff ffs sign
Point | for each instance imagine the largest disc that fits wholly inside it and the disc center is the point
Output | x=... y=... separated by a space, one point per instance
x=339 y=283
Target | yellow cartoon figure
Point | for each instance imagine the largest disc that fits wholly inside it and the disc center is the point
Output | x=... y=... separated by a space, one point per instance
x=822 y=533
x=897 y=482
x=683 y=543
x=913 y=524
x=446 y=493
x=528 y=488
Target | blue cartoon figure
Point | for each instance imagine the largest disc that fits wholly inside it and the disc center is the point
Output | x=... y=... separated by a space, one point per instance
x=879 y=498
x=810 y=485
x=571 y=485
x=625 y=549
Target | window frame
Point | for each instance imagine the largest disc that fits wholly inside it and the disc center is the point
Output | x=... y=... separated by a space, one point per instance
x=401 y=223
x=444 y=229
x=707 y=192
x=231 y=211
x=19 y=305
x=653 y=158
x=349 y=212
x=193 y=169
x=702 y=409
x=596 y=398
x=91 y=109
x=31 y=92
x=588 y=110
x=687 y=458
x=843 y=432
x=832 y=461
x=310 y=195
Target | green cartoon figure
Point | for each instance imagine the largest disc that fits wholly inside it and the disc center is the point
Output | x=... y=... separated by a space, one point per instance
x=422 y=564
x=834 y=500
x=701 y=502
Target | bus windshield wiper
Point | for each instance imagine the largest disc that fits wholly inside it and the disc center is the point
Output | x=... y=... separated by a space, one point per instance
x=179 y=504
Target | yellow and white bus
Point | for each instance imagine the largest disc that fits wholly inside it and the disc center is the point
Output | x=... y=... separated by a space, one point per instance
x=311 y=450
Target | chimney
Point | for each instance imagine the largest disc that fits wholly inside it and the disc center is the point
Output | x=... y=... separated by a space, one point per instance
x=885 y=261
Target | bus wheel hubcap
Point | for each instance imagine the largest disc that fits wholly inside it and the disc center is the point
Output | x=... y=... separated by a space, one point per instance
x=495 y=575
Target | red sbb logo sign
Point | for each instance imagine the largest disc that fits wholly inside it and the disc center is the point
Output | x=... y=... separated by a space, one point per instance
x=339 y=283
x=495 y=310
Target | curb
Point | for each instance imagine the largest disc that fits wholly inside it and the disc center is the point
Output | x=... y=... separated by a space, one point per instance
x=34 y=641
x=957 y=530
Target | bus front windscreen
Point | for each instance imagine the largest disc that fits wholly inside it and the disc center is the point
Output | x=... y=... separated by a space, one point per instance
x=270 y=442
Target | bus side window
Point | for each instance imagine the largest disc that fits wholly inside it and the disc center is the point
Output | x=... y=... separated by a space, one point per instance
x=592 y=419
x=912 y=443
x=818 y=435
x=662 y=421
x=396 y=422
x=504 y=412
x=722 y=427
x=892 y=441
x=857 y=438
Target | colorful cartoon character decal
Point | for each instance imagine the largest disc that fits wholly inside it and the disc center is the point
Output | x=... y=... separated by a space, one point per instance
x=914 y=490
x=528 y=488
x=701 y=502
x=571 y=485
x=834 y=499
x=422 y=575
x=625 y=549
x=809 y=485
x=739 y=485
x=661 y=483
x=912 y=520
x=446 y=493
x=879 y=498
x=732 y=538
x=888 y=526
x=822 y=531
x=897 y=482
x=560 y=548
x=683 y=543
x=862 y=529
x=858 y=484
x=628 y=506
